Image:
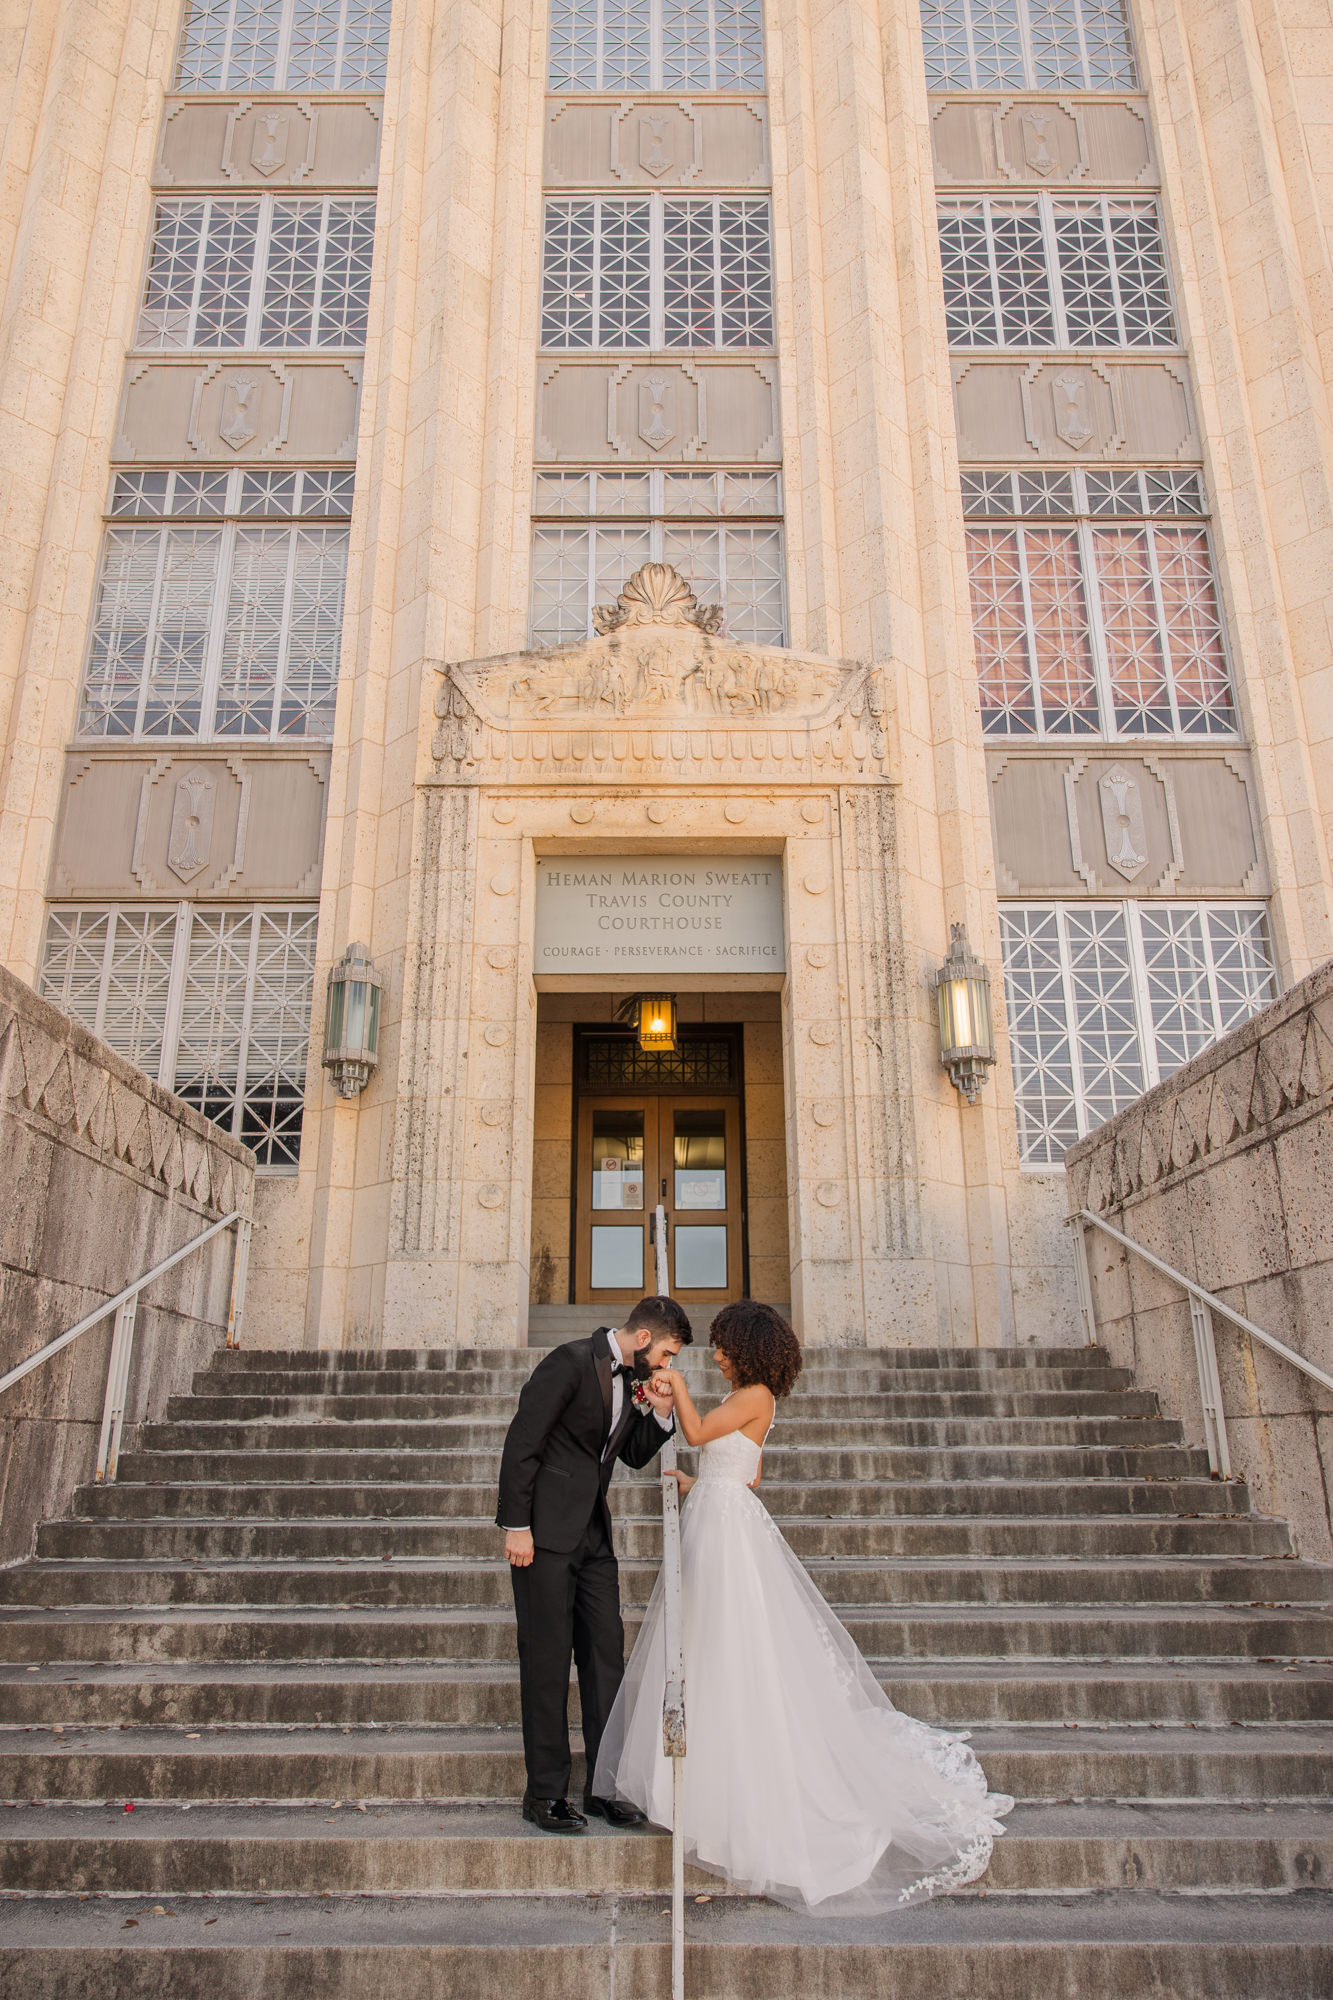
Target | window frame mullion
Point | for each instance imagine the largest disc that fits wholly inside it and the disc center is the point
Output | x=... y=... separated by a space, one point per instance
x=1071 y=1020
x=284 y=630
x=1163 y=635
x=247 y=1022
x=1030 y=631
x=1101 y=657
x=1027 y=54
x=321 y=264
x=1054 y=273
x=217 y=641
x=259 y=272
x=1141 y=989
x=175 y=1007
x=164 y=533
x=283 y=54
x=715 y=205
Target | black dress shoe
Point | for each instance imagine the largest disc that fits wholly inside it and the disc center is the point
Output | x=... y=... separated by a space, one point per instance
x=553 y=1815
x=613 y=1812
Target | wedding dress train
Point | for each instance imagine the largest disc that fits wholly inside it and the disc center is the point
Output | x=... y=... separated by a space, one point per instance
x=802 y=1781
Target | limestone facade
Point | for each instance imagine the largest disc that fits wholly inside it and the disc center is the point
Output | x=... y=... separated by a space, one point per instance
x=1090 y=718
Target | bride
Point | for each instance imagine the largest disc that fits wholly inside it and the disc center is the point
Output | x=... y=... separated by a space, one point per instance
x=802 y=1781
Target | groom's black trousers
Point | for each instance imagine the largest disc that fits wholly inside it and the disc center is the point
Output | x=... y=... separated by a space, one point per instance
x=567 y=1605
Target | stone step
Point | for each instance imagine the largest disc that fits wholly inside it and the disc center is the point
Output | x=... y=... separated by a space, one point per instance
x=890 y=1633
x=1125 y=1943
x=520 y=1361
x=418 y=1849
x=442 y=1764
x=950 y=1694
x=402 y=1434
x=428 y=1582
x=780 y=1462
x=490 y=1389
x=1056 y=1538
x=639 y=1497
x=854 y=1411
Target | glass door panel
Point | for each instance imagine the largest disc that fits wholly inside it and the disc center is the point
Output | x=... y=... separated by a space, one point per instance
x=700 y=1186
x=616 y=1169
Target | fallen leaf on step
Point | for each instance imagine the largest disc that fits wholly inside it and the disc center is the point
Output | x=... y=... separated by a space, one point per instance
x=208 y=1921
x=130 y=1924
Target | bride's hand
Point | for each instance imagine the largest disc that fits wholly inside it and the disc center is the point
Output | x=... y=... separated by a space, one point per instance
x=684 y=1480
x=662 y=1387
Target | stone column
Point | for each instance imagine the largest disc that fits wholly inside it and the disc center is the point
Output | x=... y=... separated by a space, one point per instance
x=1232 y=86
x=437 y=483
x=82 y=89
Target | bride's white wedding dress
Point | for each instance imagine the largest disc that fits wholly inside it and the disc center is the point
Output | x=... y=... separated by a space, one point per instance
x=802 y=1781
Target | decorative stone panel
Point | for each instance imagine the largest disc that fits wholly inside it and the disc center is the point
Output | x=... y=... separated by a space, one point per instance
x=226 y=144
x=1025 y=142
x=1074 y=408
x=202 y=823
x=1117 y=823
x=655 y=412
x=615 y=142
x=237 y=409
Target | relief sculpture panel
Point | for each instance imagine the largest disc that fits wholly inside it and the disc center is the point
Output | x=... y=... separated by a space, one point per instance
x=227 y=412
x=1066 y=409
x=227 y=144
x=618 y=143
x=658 y=412
x=1011 y=142
x=1169 y=823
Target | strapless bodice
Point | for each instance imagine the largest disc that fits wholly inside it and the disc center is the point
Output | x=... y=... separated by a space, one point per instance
x=733 y=1460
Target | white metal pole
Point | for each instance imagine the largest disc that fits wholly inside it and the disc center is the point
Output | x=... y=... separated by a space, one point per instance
x=673 y=1704
x=117 y=1385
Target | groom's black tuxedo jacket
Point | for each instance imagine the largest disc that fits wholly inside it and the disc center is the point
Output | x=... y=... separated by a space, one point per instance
x=556 y=1467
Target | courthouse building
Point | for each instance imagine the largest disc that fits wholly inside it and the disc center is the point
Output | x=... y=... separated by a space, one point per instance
x=696 y=499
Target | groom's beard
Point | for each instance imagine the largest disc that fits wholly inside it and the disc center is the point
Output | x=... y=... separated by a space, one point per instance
x=642 y=1367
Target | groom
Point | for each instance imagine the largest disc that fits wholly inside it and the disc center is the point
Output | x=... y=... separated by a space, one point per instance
x=577 y=1415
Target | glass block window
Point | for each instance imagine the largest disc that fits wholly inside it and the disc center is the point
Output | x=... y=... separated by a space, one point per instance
x=212 y=1003
x=1105 y=1000
x=721 y=530
x=219 y=612
x=652 y=272
x=257 y=45
x=656 y=45
x=1089 y=621
x=1055 y=271
x=264 y=272
x=1027 y=45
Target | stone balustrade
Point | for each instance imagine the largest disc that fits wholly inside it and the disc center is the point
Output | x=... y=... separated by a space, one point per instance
x=105 y=1173
x=1225 y=1172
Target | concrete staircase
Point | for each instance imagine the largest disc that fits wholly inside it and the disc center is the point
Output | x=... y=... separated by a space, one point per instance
x=284 y=1638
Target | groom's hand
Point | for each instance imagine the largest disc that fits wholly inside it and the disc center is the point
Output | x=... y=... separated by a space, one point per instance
x=518 y=1547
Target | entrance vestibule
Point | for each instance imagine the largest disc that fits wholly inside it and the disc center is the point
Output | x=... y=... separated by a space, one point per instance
x=618 y=1131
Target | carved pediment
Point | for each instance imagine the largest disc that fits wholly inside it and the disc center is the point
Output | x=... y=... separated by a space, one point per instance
x=660 y=685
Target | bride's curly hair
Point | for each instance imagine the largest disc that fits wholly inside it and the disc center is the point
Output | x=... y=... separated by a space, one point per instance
x=759 y=1344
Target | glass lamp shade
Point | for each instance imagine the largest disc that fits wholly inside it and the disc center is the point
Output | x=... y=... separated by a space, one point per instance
x=656 y=1021
x=967 y=1035
x=352 y=1021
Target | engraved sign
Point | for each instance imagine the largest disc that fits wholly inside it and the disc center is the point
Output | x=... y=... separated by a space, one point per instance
x=268 y=148
x=659 y=914
x=1122 y=824
x=191 y=837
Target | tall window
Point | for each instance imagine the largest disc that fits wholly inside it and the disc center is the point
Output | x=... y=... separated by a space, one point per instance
x=219 y=611
x=647 y=271
x=212 y=1003
x=721 y=530
x=266 y=272
x=283 y=45
x=1089 y=621
x=656 y=45
x=1027 y=45
x=1106 y=999
x=1055 y=271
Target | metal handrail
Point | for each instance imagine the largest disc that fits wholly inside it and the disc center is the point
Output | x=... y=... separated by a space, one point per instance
x=1203 y=1304
x=125 y=1306
x=673 y=1701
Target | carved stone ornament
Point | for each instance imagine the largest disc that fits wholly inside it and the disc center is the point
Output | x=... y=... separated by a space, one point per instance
x=656 y=151
x=268 y=148
x=1036 y=129
x=656 y=594
x=1122 y=824
x=191 y=839
x=236 y=424
x=1072 y=400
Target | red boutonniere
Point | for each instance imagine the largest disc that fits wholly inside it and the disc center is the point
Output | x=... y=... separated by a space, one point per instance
x=642 y=1400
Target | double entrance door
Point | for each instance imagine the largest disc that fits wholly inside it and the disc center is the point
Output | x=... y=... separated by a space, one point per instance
x=636 y=1153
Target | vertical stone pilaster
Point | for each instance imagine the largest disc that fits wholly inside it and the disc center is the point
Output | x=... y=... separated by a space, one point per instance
x=82 y=104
